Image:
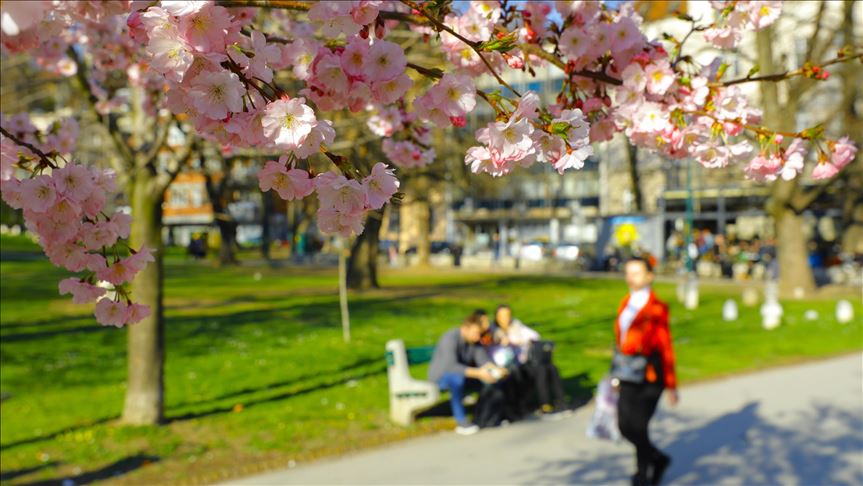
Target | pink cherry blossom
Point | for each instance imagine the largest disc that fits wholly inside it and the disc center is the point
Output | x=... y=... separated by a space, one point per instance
x=215 y=94
x=386 y=92
x=82 y=292
x=74 y=181
x=170 y=56
x=334 y=17
x=38 y=193
x=288 y=122
x=264 y=56
x=843 y=152
x=380 y=185
x=659 y=77
x=454 y=94
x=824 y=170
x=385 y=122
x=68 y=255
x=289 y=184
x=97 y=235
x=111 y=313
x=17 y=17
x=121 y=223
x=575 y=44
x=322 y=135
x=353 y=58
x=205 y=29
x=136 y=313
x=299 y=55
x=763 y=13
x=385 y=61
x=333 y=221
x=340 y=193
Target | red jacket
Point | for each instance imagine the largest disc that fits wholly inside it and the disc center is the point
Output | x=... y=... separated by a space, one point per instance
x=647 y=334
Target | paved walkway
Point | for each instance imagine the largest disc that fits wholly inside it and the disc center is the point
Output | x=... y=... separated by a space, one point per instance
x=800 y=425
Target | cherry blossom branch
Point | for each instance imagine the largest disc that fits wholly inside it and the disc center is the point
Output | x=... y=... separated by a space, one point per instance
x=473 y=45
x=538 y=51
x=791 y=73
x=43 y=157
x=305 y=6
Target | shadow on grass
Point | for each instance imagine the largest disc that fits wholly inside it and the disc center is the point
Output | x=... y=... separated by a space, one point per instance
x=10 y=475
x=281 y=384
x=279 y=396
x=118 y=468
x=56 y=434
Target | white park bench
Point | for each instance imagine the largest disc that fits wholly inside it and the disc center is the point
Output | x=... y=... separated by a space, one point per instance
x=408 y=396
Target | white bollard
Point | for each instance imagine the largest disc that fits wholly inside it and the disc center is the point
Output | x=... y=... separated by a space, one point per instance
x=729 y=310
x=844 y=312
x=750 y=297
x=771 y=314
x=691 y=298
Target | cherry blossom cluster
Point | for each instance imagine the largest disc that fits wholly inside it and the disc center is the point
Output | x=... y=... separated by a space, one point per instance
x=736 y=17
x=342 y=201
x=516 y=142
x=64 y=204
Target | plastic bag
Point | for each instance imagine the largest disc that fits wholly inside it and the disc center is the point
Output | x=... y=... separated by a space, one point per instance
x=603 y=424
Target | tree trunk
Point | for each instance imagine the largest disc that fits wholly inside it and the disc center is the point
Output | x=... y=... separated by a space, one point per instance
x=422 y=211
x=794 y=269
x=228 y=239
x=224 y=221
x=635 y=180
x=145 y=387
x=266 y=209
x=363 y=263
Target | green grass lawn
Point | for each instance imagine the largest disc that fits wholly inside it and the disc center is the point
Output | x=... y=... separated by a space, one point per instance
x=257 y=374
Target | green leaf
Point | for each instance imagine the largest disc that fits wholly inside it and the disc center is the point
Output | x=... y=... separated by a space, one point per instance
x=504 y=44
x=721 y=71
x=753 y=71
x=560 y=128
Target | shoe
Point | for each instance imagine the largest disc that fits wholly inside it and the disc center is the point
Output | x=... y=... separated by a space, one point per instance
x=466 y=429
x=639 y=480
x=659 y=467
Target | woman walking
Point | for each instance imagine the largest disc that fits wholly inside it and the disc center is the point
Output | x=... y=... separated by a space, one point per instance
x=643 y=367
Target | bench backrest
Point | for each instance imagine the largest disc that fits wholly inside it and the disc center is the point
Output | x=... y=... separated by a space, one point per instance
x=400 y=358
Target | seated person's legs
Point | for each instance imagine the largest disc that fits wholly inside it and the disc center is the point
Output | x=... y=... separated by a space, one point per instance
x=455 y=383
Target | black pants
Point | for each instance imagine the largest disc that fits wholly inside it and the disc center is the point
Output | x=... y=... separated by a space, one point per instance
x=635 y=407
x=546 y=379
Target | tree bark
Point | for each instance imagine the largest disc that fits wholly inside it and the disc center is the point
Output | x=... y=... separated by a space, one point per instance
x=794 y=270
x=266 y=209
x=224 y=221
x=635 y=179
x=145 y=387
x=422 y=211
x=363 y=262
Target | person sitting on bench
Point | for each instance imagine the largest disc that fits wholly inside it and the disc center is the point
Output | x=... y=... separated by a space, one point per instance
x=539 y=367
x=458 y=364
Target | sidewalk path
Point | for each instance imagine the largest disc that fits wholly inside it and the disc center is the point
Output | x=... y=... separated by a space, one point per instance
x=798 y=425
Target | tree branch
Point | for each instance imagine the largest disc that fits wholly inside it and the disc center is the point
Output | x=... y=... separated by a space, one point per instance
x=159 y=142
x=305 y=6
x=43 y=157
x=166 y=178
x=473 y=45
x=113 y=130
x=787 y=74
x=551 y=58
